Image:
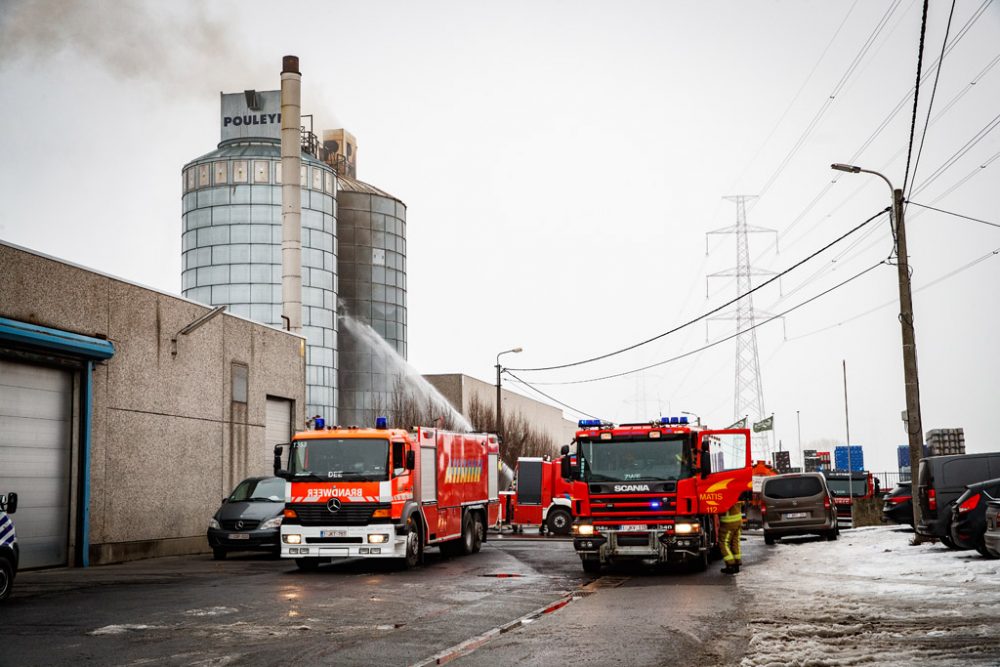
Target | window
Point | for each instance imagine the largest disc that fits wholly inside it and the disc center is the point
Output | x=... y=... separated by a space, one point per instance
x=240 y=171
x=240 y=374
x=221 y=173
x=317 y=179
x=399 y=459
x=277 y=172
x=203 y=175
x=261 y=171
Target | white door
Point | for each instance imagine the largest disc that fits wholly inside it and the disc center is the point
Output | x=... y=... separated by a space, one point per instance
x=278 y=429
x=35 y=420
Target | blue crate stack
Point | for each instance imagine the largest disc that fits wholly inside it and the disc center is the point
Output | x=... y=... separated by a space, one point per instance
x=849 y=458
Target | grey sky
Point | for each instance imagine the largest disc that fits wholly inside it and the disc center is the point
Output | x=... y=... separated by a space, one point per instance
x=561 y=162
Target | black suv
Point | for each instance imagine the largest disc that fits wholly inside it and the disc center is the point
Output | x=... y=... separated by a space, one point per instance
x=941 y=480
x=968 y=516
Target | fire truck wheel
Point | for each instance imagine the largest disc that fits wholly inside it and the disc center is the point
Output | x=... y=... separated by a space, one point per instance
x=414 y=546
x=468 y=539
x=558 y=521
x=591 y=565
x=307 y=564
x=699 y=563
x=478 y=532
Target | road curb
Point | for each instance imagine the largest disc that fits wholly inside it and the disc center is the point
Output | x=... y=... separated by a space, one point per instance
x=471 y=644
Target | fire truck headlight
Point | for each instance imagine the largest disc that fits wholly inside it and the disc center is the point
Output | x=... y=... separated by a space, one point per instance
x=212 y=523
x=584 y=529
x=378 y=538
x=291 y=539
x=686 y=528
x=271 y=523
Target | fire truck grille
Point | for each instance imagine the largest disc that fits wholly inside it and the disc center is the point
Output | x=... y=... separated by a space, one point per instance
x=239 y=524
x=633 y=507
x=349 y=514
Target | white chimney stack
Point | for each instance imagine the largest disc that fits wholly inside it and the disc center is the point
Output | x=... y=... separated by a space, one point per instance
x=291 y=202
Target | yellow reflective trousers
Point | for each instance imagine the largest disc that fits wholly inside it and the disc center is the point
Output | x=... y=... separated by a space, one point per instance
x=730 y=527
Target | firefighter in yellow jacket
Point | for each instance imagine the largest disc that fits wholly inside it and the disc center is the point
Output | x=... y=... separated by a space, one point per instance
x=730 y=527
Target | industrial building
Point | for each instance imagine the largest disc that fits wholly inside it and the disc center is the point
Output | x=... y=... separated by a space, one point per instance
x=460 y=389
x=126 y=413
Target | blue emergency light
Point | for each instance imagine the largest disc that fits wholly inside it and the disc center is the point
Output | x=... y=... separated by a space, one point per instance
x=318 y=423
x=684 y=420
x=589 y=423
x=381 y=422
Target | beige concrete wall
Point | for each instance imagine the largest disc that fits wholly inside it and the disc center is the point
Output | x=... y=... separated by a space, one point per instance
x=459 y=390
x=167 y=442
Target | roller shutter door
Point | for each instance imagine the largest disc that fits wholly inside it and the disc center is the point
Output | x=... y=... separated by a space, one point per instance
x=277 y=430
x=35 y=428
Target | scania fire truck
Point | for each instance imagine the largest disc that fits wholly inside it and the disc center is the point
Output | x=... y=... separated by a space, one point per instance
x=542 y=498
x=649 y=491
x=386 y=493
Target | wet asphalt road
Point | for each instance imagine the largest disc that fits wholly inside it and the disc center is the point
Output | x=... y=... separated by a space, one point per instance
x=252 y=610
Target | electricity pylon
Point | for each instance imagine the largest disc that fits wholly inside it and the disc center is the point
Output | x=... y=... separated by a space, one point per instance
x=748 y=398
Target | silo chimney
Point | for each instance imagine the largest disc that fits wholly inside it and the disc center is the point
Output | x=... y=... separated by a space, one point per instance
x=291 y=203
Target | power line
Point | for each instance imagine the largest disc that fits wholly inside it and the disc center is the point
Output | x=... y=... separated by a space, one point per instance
x=957 y=215
x=916 y=92
x=930 y=105
x=710 y=312
x=939 y=279
x=726 y=338
x=979 y=136
x=551 y=398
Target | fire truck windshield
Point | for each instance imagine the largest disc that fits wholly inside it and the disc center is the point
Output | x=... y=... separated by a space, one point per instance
x=354 y=459
x=631 y=460
x=858 y=487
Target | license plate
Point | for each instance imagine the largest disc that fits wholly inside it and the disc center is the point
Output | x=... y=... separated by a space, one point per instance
x=239 y=536
x=333 y=533
x=796 y=515
x=634 y=528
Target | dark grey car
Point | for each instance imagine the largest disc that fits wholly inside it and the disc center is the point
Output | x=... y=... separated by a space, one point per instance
x=250 y=518
x=797 y=504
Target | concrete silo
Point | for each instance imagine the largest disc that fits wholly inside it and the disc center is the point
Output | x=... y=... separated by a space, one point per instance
x=232 y=235
x=371 y=234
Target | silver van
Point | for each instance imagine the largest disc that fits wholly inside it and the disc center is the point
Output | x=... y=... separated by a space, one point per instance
x=797 y=504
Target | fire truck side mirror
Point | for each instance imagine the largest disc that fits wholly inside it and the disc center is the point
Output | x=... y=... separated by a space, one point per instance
x=565 y=450
x=564 y=464
x=706 y=462
x=278 y=472
x=411 y=460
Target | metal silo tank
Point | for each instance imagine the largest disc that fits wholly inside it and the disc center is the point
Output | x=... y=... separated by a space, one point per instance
x=231 y=245
x=371 y=231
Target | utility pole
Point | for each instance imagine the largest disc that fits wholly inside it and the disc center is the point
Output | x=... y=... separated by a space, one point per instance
x=798 y=423
x=914 y=426
x=847 y=428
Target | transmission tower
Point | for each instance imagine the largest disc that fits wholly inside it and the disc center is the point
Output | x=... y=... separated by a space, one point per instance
x=748 y=398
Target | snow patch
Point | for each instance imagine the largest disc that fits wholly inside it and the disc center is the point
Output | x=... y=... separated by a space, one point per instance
x=211 y=611
x=122 y=629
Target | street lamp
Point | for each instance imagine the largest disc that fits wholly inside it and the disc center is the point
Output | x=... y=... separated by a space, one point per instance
x=684 y=412
x=912 y=385
x=499 y=424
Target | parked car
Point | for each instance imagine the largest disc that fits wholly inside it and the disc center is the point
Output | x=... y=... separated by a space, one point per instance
x=897 y=506
x=249 y=519
x=797 y=504
x=968 y=515
x=991 y=538
x=9 y=551
x=941 y=480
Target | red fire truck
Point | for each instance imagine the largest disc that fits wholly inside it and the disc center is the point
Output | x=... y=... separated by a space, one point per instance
x=386 y=493
x=848 y=486
x=542 y=498
x=650 y=491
